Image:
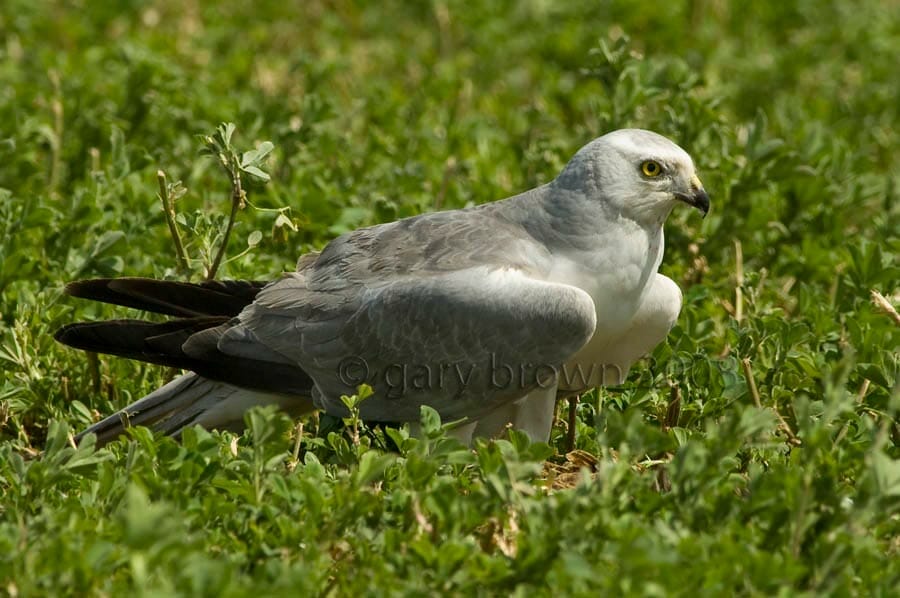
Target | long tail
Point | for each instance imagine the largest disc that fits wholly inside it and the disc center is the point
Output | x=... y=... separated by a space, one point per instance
x=193 y=400
x=171 y=298
x=221 y=387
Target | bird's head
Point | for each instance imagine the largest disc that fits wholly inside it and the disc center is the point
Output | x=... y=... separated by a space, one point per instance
x=636 y=174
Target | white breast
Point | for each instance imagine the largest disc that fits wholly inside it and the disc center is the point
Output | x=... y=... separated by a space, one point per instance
x=616 y=275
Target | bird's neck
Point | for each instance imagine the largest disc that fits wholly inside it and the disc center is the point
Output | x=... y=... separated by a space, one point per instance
x=611 y=257
x=567 y=224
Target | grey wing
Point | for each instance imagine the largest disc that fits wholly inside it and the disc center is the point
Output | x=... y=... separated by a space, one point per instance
x=462 y=342
x=433 y=243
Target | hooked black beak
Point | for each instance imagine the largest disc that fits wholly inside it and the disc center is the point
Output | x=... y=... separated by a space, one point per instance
x=697 y=197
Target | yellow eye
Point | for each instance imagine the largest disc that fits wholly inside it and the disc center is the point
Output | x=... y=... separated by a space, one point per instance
x=651 y=168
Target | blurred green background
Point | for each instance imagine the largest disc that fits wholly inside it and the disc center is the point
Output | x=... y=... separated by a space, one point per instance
x=384 y=110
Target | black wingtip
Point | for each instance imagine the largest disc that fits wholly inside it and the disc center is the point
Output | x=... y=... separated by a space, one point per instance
x=78 y=336
x=169 y=297
x=64 y=335
x=86 y=288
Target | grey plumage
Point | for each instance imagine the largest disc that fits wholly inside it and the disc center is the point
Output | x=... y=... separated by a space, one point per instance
x=434 y=306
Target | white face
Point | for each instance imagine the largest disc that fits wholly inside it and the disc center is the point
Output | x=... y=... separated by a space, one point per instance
x=638 y=174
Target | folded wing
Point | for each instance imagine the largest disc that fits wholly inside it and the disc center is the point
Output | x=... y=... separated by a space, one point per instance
x=462 y=342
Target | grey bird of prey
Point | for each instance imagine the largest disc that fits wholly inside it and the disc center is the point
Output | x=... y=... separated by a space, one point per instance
x=483 y=313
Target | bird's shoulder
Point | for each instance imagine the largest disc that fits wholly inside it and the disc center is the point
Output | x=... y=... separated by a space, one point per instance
x=431 y=243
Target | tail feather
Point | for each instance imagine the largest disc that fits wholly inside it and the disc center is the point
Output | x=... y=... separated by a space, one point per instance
x=171 y=298
x=220 y=387
x=191 y=399
x=158 y=343
x=163 y=344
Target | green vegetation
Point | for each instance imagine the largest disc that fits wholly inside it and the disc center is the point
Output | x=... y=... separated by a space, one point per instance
x=755 y=453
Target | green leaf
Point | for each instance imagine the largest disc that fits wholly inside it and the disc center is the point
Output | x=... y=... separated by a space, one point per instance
x=886 y=473
x=255 y=157
x=256 y=172
x=371 y=467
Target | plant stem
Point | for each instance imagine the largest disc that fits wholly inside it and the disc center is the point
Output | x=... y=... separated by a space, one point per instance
x=751 y=383
x=673 y=411
x=169 y=211
x=58 y=111
x=237 y=202
x=754 y=392
x=885 y=306
x=738 y=281
x=572 y=422
x=94 y=370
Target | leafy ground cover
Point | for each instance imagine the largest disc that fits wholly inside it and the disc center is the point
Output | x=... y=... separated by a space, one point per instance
x=755 y=452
